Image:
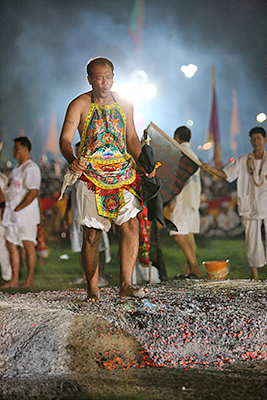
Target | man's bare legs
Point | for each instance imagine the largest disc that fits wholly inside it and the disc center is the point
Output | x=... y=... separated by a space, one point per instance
x=31 y=261
x=254 y=273
x=129 y=247
x=15 y=262
x=15 y=259
x=187 y=244
x=90 y=258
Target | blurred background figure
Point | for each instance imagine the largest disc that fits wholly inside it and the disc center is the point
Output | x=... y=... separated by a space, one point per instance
x=228 y=223
x=207 y=222
x=6 y=270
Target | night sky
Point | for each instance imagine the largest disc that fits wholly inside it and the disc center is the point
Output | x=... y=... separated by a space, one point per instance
x=45 y=46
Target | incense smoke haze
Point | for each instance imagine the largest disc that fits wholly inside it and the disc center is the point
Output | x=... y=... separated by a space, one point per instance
x=45 y=46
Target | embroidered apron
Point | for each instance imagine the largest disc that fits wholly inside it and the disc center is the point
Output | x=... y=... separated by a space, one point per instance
x=110 y=168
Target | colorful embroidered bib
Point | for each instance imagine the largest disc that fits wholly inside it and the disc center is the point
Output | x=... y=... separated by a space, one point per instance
x=110 y=168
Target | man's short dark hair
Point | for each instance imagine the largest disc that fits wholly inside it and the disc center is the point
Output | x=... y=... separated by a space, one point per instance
x=98 y=61
x=183 y=133
x=257 y=129
x=24 y=141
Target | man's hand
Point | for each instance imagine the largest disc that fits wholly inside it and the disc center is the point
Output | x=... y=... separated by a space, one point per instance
x=213 y=171
x=152 y=174
x=77 y=166
x=206 y=168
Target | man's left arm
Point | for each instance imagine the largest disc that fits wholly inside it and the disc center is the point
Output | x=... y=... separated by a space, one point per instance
x=132 y=139
x=30 y=196
x=32 y=183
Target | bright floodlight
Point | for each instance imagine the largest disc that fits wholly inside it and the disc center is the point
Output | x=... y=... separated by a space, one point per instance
x=261 y=117
x=189 y=70
x=149 y=91
x=128 y=91
x=207 y=145
x=139 y=78
x=190 y=122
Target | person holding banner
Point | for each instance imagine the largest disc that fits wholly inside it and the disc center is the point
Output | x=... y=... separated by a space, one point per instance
x=185 y=211
x=250 y=170
x=109 y=185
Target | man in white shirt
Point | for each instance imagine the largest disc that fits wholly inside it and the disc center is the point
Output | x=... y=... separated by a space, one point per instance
x=22 y=214
x=185 y=210
x=250 y=170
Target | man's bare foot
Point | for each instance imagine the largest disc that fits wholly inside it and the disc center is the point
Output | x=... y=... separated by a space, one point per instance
x=130 y=292
x=10 y=284
x=92 y=296
x=197 y=272
x=187 y=270
x=254 y=274
x=27 y=284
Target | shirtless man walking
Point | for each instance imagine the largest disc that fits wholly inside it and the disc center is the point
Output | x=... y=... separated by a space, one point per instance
x=109 y=185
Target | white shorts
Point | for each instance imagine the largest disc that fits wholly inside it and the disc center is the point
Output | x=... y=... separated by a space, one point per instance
x=19 y=234
x=185 y=218
x=255 y=247
x=88 y=214
x=76 y=237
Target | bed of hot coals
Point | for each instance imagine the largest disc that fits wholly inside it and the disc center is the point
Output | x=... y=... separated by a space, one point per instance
x=180 y=323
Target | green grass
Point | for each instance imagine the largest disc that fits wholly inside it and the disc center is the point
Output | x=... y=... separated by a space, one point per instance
x=56 y=274
x=211 y=249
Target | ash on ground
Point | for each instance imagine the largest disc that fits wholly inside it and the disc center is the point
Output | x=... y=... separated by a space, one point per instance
x=194 y=325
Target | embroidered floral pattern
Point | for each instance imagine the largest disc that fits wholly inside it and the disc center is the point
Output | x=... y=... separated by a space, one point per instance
x=110 y=169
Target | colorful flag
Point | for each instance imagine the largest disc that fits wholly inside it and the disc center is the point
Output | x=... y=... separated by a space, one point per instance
x=235 y=126
x=213 y=133
x=137 y=23
x=52 y=145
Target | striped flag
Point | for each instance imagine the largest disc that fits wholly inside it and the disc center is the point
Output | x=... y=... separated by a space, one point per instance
x=213 y=133
x=235 y=126
x=137 y=23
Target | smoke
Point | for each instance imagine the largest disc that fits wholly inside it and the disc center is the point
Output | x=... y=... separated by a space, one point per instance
x=46 y=45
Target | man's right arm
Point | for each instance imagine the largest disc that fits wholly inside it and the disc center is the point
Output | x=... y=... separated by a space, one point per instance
x=71 y=123
x=214 y=171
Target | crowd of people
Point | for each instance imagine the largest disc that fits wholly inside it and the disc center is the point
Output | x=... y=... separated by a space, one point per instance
x=108 y=193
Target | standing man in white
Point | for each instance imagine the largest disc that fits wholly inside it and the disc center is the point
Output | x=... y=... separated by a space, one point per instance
x=22 y=214
x=185 y=210
x=250 y=170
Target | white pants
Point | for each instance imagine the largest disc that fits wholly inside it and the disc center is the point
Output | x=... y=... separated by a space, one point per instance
x=185 y=218
x=76 y=237
x=6 y=270
x=255 y=247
